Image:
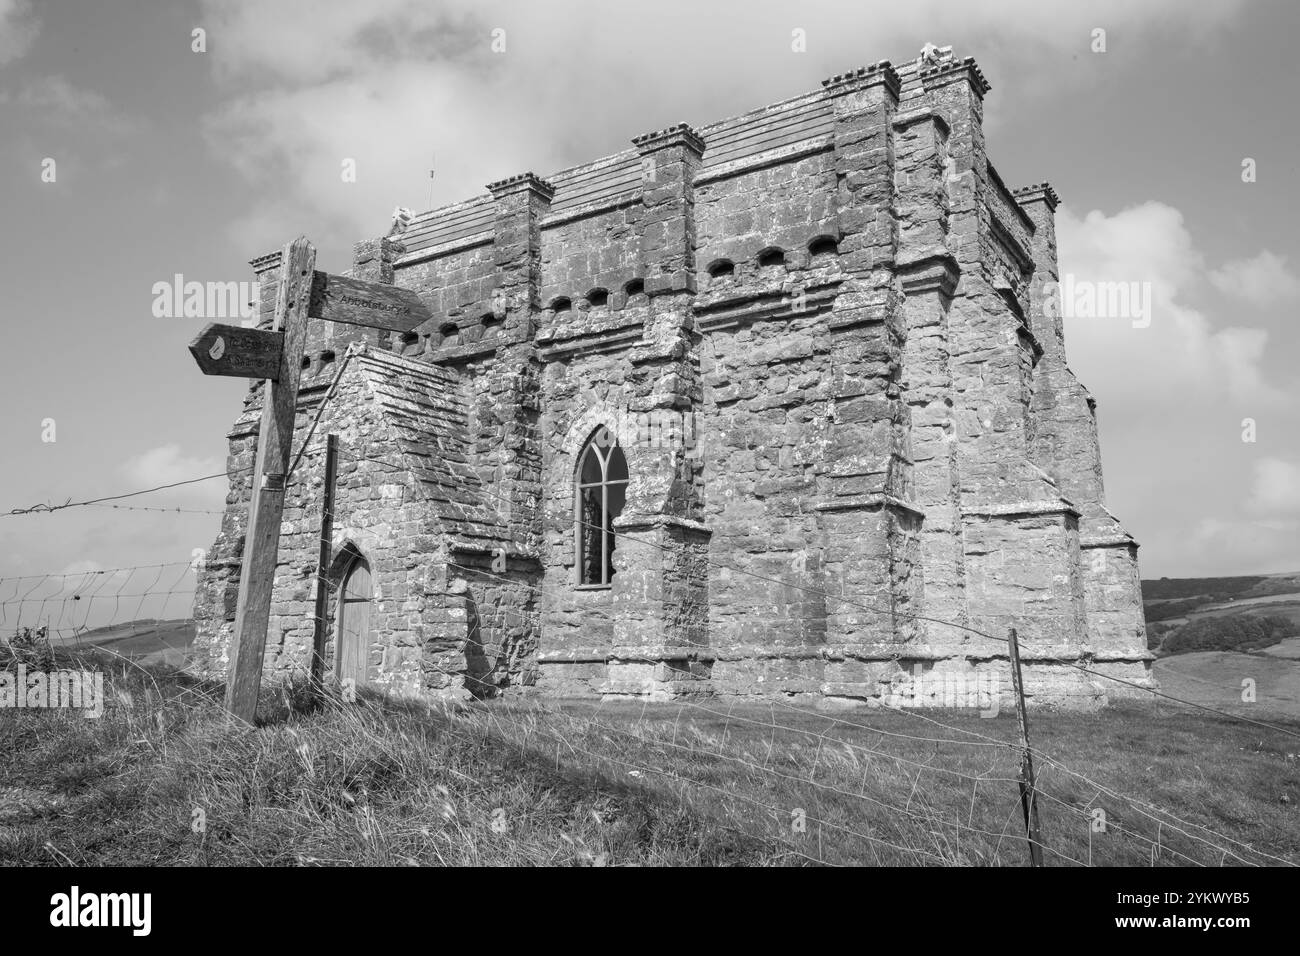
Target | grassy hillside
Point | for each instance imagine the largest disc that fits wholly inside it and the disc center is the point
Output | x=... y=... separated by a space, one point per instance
x=1248 y=613
x=162 y=778
x=146 y=641
x=1219 y=679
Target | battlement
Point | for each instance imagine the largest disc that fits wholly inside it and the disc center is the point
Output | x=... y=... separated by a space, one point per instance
x=786 y=129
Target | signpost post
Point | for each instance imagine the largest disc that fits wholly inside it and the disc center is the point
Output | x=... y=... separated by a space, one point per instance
x=274 y=355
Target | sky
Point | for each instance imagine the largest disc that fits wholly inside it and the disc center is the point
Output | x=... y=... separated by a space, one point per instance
x=176 y=152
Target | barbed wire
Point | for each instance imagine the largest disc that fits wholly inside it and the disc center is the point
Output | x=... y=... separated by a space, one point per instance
x=46 y=508
x=184 y=511
x=91 y=583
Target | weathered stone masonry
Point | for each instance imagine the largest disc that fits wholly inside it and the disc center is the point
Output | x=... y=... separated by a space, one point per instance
x=821 y=334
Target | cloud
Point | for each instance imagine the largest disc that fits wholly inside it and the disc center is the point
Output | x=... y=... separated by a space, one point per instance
x=1219 y=545
x=18 y=28
x=166 y=465
x=1261 y=281
x=1276 y=490
x=1171 y=399
x=54 y=94
x=305 y=41
x=390 y=127
x=56 y=101
x=1181 y=352
x=391 y=82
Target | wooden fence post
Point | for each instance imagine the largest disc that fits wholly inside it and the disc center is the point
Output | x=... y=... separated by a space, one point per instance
x=323 y=563
x=1028 y=792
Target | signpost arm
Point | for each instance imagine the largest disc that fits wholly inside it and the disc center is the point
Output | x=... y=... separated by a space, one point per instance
x=274 y=441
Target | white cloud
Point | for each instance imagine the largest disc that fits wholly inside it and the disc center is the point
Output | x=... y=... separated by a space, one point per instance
x=1261 y=281
x=1181 y=353
x=390 y=125
x=392 y=81
x=18 y=28
x=1244 y=546
x=1171 y=398
x=307 y=42
x=55 y=100
x=166 y=465
x=56 y=95
x=1276 y=489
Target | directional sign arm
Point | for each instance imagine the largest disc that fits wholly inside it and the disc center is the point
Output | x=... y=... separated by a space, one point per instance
x=372 y=304
x=238 y=351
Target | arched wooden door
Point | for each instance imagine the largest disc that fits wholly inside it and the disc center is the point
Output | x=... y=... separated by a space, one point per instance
x=353 y=628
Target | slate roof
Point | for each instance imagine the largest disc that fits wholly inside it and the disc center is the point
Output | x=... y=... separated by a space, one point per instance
x=426 y=408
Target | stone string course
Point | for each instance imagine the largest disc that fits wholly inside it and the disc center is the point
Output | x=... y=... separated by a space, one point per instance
x=818 y=332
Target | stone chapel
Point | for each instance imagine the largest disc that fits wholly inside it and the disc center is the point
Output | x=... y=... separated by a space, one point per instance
x=774 y=406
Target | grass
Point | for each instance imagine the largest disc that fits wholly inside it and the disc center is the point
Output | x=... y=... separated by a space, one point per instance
x=1217 y=679
x=543 y=782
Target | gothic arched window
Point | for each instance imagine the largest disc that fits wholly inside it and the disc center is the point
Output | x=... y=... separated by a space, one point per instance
x=600 y=494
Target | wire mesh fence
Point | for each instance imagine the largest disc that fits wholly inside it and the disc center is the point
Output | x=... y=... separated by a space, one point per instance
x=884 y=783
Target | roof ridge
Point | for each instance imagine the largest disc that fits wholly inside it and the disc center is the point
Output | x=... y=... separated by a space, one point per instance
x=418 y=366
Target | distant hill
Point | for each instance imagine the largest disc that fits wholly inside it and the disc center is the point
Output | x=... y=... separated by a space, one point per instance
x=1221 y=589
x=1243 y=613
x=145 y=641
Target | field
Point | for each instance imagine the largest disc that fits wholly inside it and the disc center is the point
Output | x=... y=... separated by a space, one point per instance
x=1180 y=600
x=1218 y=677
x=1215 y=679
x=145 y=641
x=163 y=779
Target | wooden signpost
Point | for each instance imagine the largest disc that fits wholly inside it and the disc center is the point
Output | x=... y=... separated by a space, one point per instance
x=255 y=353
x=275 y=355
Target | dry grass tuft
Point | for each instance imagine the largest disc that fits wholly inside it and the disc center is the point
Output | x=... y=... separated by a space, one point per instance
x=162 y=778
